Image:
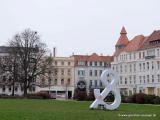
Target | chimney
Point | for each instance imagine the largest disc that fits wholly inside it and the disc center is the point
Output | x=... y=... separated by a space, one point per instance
x=54 y=52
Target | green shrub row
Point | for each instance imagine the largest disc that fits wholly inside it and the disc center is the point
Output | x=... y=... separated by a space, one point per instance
x=141 y=98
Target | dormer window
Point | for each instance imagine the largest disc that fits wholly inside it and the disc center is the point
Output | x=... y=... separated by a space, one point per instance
x=154 y=42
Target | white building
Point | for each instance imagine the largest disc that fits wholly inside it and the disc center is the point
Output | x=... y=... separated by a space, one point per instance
x=88 y=68
x=6 y=81
x=138 y=63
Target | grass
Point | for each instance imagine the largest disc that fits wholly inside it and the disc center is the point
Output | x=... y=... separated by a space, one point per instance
x=16 y=109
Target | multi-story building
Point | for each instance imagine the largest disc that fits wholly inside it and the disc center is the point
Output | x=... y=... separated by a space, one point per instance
x=7 y=85
x=88 y=68
x=137 y=62
x=60 y=82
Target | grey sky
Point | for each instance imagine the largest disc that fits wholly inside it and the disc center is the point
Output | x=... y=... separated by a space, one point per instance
x=79 y=26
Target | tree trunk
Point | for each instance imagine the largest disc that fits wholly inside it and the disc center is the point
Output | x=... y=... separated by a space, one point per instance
x=25 y=89
x=13 y=89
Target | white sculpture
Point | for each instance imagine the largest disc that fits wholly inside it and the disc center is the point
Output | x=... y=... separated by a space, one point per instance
x=108 y=87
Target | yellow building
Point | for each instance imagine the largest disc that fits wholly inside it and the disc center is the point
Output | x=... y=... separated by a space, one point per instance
x=61 y=83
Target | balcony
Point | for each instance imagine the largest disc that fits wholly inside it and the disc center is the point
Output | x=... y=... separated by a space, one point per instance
x=150 y=57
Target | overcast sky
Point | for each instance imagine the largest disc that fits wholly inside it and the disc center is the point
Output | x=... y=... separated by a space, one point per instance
x=79 y=26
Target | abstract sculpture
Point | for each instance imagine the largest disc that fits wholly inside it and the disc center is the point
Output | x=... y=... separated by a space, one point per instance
x=109 y=86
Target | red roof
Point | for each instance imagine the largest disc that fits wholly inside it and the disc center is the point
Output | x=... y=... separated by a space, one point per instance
x=153 y=37
x=93 y=57
x=123 y=30
x=133 y=45
x=123 y=39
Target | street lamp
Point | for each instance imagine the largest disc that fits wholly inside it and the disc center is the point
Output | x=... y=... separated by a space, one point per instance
x=49 y=82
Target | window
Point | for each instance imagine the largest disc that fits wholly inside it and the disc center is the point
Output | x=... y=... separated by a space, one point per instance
x=155 y=42
x=100 y=72
x=90 y=72
x=68 y=81
x=62 y=63
x=100 y=63
x=16 y=88
x=3 y=89
x=143 y=66
x=143 y=54
x=69 y=63
x=91 y=63
x=144 y=79
x=90 y=82
x=140 y=66
x=152 y=78
x=81 y=72
x=95 y=63
x=120 y=79
x=9 y=88
x=95 y=83
x=33 y=89
x=134 y=56
x=148 y=78
x=95 y=72
x=21 y=88
x=62 y=81
x=121 y=68
x=134 y=79
x=55 y=71
x=125 y=68
x=130 y=56
x=125 y=80
x=158 y=53
x=139 y=55
x=130 y=79
x=105 y=64
x=10 y=79
x=140 y=81
x=55 y=62
x=148 y=65
x=152 y=65
x=100 y=83
x=4 y=78
x=55 y=81
x=130 y=68
x=69 y=72
x=158 y=77
x=135 y=67
x=81 y=63
x=158 y=64
x=62 y=72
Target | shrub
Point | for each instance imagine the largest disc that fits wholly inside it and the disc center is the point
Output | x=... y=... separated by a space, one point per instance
x=90 y=96
x=156 y=100
x=123 y=98
x=129 y=99
x=110 y=97
x=80 y=95
x=40 y=95
x=140 y=98
x=149 y=99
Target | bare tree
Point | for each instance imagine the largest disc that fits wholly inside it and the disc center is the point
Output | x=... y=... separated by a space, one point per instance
x=29 y=49
x=9 y=68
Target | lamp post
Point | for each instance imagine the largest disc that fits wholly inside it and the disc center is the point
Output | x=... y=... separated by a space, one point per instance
x=66 y=91
x=49 y=82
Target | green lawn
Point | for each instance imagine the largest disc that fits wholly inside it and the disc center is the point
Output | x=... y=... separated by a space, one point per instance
x=15 y=109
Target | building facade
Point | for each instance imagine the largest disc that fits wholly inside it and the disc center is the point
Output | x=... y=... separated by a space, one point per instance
x=137 y=62
x=7 y=85
x=60 y=83
x=88 y=68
